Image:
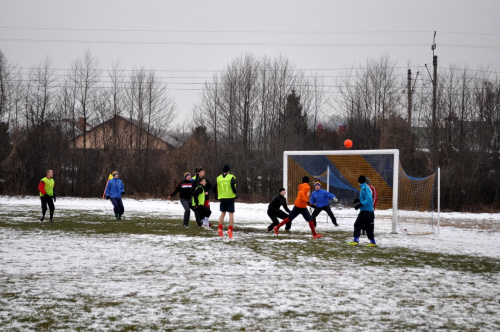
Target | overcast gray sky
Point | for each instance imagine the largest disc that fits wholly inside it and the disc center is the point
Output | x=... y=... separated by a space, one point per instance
x=187 y=41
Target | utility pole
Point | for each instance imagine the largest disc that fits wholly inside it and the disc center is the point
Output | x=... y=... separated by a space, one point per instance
x=434 y=101
x=409 y=97
x=434 y=95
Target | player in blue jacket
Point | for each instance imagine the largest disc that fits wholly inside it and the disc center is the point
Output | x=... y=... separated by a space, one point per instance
x=320 y=201
x=114 y=192
x=364 y=220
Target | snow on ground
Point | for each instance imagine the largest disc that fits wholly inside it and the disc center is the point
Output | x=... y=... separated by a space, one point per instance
x=471 y=239
x=257 y=281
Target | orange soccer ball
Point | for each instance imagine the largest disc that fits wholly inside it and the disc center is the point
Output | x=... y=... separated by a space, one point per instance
x=348 y=143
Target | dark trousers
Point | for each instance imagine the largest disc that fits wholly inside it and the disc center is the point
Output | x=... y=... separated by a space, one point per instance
x=186 y=204
x=295 y=212
x=197 y=216
x=117 y=205
x=203 y=211
x=327 y=209
x=274 y=214
x=47 y=201
x=364 y=221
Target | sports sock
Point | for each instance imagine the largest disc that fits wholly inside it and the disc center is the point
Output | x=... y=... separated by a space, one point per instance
x=311 y=225
x=283 y=222
x=220 y=226
x=373 y=241
x=356 y=239
x=230 y=228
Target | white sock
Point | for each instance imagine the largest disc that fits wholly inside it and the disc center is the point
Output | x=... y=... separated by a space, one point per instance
x=205 y=221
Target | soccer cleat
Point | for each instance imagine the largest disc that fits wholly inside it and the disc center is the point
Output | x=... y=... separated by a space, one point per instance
x=50 y=219
x=230 y=233
x=317 y=236
x=206 y=227
x=185 y=226
x=119 y=217
x=353 y=243
x=371 y=245
x=221 y=233
x=41 y=219
x=276 y=230
x=336 y=225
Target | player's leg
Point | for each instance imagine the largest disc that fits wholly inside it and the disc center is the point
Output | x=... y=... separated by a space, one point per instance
x=307 y=216
x=358 y=224
x=294 y=213
x=50 y=203
x=121 y=208
x=328 y=210
x=44 y=207
x=288 y=224
x=273 y=218
x=223 y=210
x=115 y=206
x=370 y=225
x=230 y=209
x=315 y=213
x=187 y=211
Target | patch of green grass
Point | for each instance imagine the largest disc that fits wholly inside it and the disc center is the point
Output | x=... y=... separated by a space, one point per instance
x=237 y=316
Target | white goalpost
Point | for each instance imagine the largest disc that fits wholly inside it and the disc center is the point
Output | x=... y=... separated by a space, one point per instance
x=413 y=200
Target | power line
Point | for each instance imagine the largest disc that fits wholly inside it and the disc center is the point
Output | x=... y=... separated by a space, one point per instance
x=253 y=31
x=277 y=44
x=217 y=31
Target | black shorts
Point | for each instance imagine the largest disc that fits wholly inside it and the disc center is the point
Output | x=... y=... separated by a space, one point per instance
x=227 y=205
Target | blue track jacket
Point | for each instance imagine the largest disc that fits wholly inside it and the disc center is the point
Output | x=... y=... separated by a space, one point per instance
x=365 y=198
x=321 y=197
x=115 y=188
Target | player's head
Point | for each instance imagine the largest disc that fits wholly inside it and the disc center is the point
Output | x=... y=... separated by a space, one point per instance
x=187 y=176
x=200 y=171
x=367 y=180
x=362 y=179
x=282 y=191
x=203 y=181
x=49 y=173
x=317 y=185
x=305 y=179
x=226 y=168
x=115 y=174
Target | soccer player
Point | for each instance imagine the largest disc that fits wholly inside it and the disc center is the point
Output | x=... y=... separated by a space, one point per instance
x=47 y=195
x=225 y=189
x=114 y=192
x=364 y=220
x=300 y=207
x=375 y=199
x=320 y=201
x=200 y=174
x=199 y=202
x=184 y=188
x=273 y=210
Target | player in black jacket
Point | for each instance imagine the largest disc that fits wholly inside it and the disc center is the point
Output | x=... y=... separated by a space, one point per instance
x=274 y=212
x=184 y=188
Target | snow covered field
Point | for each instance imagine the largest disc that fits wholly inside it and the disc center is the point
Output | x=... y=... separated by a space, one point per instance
x=55 y=279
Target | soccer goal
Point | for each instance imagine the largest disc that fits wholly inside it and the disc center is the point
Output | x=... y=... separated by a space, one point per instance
x=414 y=201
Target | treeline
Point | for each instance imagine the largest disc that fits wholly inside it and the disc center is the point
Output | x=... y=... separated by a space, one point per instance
x=247 y=115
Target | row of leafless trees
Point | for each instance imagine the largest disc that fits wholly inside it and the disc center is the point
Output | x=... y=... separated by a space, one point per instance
x=247 y=115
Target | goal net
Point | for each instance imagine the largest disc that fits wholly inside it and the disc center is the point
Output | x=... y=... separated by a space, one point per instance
x=413 y=201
